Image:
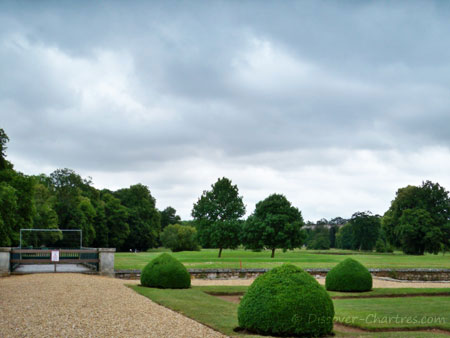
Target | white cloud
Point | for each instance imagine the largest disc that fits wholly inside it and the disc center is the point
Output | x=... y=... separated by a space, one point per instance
x=336 y=119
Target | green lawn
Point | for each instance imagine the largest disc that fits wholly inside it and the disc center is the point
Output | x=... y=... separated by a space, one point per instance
x=222 y=315
x=405 y=312
x=207 y=258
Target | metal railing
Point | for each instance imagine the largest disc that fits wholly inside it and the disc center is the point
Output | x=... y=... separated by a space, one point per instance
x=87 y=257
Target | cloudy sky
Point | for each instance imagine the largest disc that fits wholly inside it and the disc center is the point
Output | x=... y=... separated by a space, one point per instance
x=334 y=104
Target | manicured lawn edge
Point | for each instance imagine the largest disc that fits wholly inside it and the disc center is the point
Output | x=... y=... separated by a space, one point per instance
x=221 y=315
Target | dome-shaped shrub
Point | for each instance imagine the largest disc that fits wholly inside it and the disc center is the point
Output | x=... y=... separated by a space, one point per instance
x=165 y=272
x=286 y=301
x=349 y=275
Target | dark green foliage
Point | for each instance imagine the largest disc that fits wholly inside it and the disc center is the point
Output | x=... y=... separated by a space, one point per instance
x=169 y=216
x=336 y=223
x=116 y=217
x=286 y=301
x=22 y=190
x=8 y=209
x=349 y=275
x=143 y=217
x=418 y=219
x=344 y=238
x=178 y=237
x=366 y=228
x=319 y=238
x=217 y=213
x=380 y=246
x=165 y=272
x=75 y=211
x=416 y=232
x=275 y=223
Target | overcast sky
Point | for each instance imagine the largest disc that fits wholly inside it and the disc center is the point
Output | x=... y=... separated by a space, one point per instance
x=334 y=104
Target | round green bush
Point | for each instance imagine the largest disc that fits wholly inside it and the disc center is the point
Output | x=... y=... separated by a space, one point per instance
x=286 y=301
x=349 y=275
x=165 y=272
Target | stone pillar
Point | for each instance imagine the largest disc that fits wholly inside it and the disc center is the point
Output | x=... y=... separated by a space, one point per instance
x=5 y=261
x=106 y=261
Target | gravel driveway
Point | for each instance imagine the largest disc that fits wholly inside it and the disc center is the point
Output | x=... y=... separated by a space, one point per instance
x=76 y=305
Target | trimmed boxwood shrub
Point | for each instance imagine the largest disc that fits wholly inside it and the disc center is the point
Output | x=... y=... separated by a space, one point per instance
x=286 y=301
x=349 y=275
x=165 y=272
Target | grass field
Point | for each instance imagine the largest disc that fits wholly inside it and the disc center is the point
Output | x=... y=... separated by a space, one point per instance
x=207 y=258
x=365 y=313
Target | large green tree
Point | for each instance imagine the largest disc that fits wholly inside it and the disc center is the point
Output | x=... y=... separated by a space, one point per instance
x=116 y=216
x=8 y=210
x=366 y=229
x=75 y=211
x=178 y=237
x=345 y=238
x=418 y=219
x=275 y=223
x=143 y=217
x=217 y=213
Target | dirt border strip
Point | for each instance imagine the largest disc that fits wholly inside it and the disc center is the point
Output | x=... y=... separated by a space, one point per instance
x=349 y=328
x=437 y=294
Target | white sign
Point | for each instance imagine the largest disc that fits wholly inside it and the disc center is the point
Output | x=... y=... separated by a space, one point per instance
x=55 y=255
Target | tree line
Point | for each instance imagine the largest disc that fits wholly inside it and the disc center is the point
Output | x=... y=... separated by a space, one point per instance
x=417 y=221
x=125 y=219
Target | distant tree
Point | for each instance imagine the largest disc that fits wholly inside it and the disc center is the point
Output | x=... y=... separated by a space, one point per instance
x=116 y=216
x=101 y=230
x=335 y=223
x=216 y=214
x=418 y=218
x=23 y=192
x=338 y=221
x=44 y=217
x=345 y=238
x=143 y=217
x=380 y=246
x=417 y=234
x=169 y=216
x=322 y=221
x=366 y=228
x=74 y=210
x=8 y=210
x=275 y=223
x=319 y=239
x=177 y=237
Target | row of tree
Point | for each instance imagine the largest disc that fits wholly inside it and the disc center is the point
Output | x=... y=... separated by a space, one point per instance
x=125 y=219
x=418 y=220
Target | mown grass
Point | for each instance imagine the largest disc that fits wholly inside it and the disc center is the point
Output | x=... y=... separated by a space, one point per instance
x=207 y=258
x=221 y=315
x=405 y=312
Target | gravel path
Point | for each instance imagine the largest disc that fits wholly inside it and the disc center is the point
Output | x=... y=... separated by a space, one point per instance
x=76 y=305
x=377 y=283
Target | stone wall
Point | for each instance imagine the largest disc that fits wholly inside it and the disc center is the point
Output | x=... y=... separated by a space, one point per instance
x=401 y=274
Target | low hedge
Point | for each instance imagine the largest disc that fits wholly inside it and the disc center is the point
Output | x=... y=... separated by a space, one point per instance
x=286 y=301
x=165 y=272
x=349 y=275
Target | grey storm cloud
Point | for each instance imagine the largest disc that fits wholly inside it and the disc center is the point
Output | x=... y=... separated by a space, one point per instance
x=114 y=87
